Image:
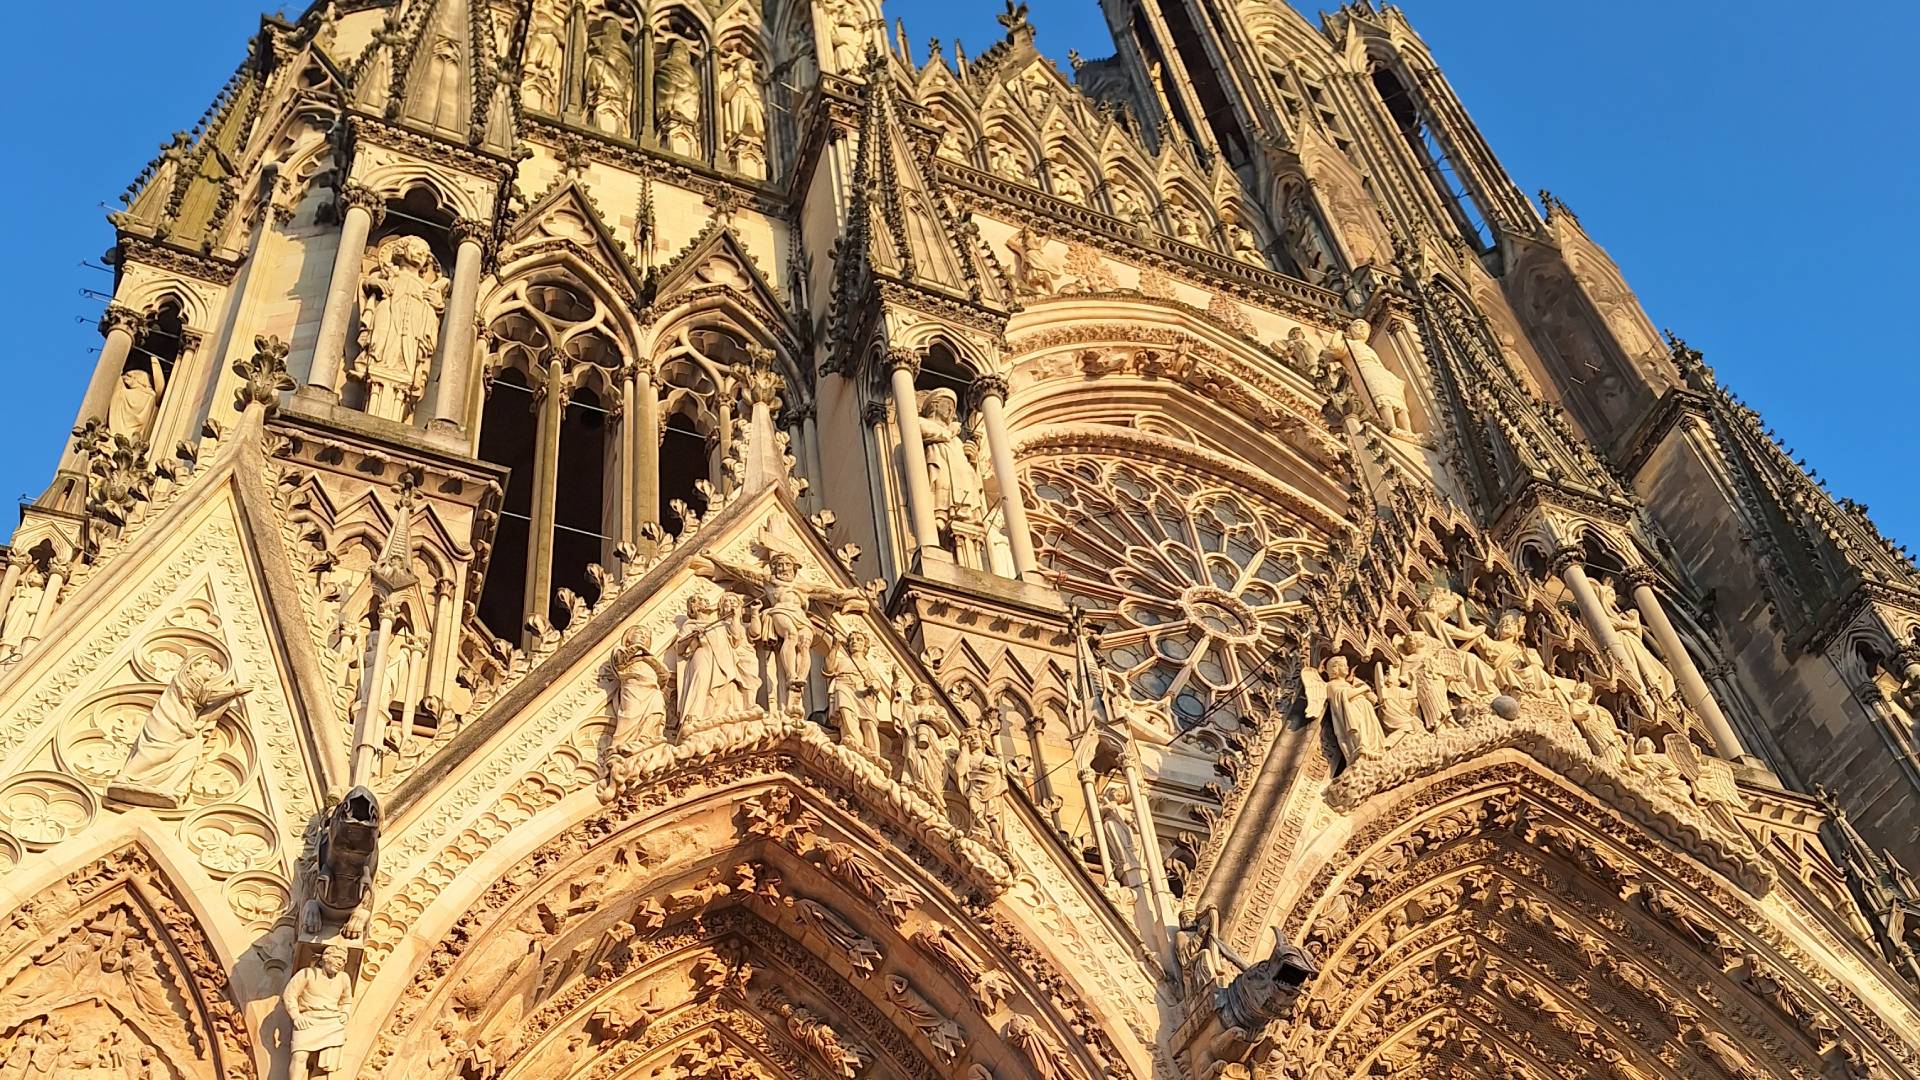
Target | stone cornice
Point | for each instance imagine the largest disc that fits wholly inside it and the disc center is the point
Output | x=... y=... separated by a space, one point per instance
x=163 y=256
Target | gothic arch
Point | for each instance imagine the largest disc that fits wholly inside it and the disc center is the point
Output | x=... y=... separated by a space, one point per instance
x=116 y=956
x=1494 y=896
x=766 y=913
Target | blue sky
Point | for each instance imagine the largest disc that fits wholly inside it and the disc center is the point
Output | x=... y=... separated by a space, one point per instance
x=1752 y=166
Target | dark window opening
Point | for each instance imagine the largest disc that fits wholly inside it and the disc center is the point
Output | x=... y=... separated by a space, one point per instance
x=1431 y=151
x=1215 y=103
x=579 y=515
x=508 y=430
x=941 y=369
x=1163 y=78
x=683 y=464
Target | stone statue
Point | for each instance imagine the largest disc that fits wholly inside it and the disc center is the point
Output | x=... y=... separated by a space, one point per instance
x=676 y=99
x=1517 y=666
x=399 y=322
x=136 y=400
x=639 y=695
x=983 y=779
x=1049 y=1059
x=610 y=77
x=929 y=749
x=1596 y=724
x=1653 y=675
x=1400 y=704
x=956 y=486
x=1424 y=668
x=1186 y=222
x=316 y=1000
x=1336 y=693
x=1240 y=241
x=782 y=617
x=1122 y=847
x=1003 y=160
x=1659 y=771
x=854 y=692
x=1387 y=391
x=1066 y=183
x=346 y=858
x=846 y=35
x=160 y=765
x=24 y=608
x=1309 y=243
x=711 y=682
x=743 y=115
x=1456 y=636
x=1034 y=271
x=540 y=90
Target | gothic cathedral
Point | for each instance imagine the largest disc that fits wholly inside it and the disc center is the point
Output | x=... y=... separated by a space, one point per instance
x=670 y=540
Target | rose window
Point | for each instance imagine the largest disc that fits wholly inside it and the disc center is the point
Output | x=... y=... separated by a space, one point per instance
x=1188 y=580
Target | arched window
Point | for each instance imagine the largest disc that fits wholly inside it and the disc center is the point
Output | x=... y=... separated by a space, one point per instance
x=549 y=419
x=1430 y=150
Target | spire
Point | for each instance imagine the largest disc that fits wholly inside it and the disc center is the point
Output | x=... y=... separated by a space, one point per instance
x=1817 y=550
x=185 y=193
x=1509 y=444
x=900 y=229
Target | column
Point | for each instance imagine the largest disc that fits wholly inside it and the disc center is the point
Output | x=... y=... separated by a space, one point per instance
x=120 y=325
x=1594 y=613
x=17 y=561
x=56 y=578
x=644 y=414
x=366 y=731
x=904 y=366
x=443 y=628
x=810 y=447
x=1161 y=895
x=992 y=392
x=1693 y=687
x=364 y=206
x=546 y=486
x=449 y=411
x=1099 y=826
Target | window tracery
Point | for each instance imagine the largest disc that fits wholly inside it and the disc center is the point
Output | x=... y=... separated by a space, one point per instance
x=1191 y=580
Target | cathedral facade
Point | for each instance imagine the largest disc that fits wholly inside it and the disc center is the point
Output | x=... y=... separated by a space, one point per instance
x=669 y=539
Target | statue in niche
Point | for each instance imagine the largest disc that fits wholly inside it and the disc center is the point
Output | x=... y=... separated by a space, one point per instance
x=855 y=692
x=316 y=1000
x=711 y=682
x=639 y=695
x=1309 y=244
x=403 y=296
x=929 y=751
x=1596 y=724
x=950 y=472
x=1456 y=635
x=1335 y=692
x=1517 y=666
x=1122 y=847
x=1240 y=240
x=24 y=608
x=540 y=90
x=1186 y=222
x=781 y=617
x=1652 y=673
x=1066 y=182
x=136 y=401
x=1128 y=207
x=1387 y=391
x=846 y=35
x=983 y=780
x=743 y=115
x=1004 y=161
x=1034 y=271
x=161 y=762
x=676 y=99
x=610 y=77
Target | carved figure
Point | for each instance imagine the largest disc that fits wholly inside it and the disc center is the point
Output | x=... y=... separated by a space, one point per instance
x=1659 y=770
x=136 y=400
x=862 y=951
x=1186 y=221
x=1050 y=1059
x=846 y=35
x=540 y=91
x=806 y=1028
x=1066 y=182
x=1003 y=160
x=676 y=99
x=711 y=682
x=743 y=115
x=610 y=77
x=1240 y=240
x=929 y=751
x=345 y=860
x=854 y=692
x=316 y=1000
x=1517 y=666
x=1034 y=271
x=984 y=781
x=160 y=765
x=955 y=483
x=1337 y=693
x=945 y=1036
x=1266 y=991
x=1647 y=667
x=782 y=617
x=1387 y=391
x=1424 y=669
x=1445 y=619
x=640 y=699
x=1399 y=701
x=24 y=607
x=1596 y=725
x=399 y=322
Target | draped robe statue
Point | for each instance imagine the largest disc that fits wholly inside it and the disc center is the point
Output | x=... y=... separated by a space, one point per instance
x=135 y=401
x=1387 y=391
x=955 y=483
x=399 y=323
x=168 y=748
x=676 y=100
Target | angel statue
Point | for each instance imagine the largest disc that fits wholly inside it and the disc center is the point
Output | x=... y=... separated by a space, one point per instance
x=782 y=617
x=1711 y=781
x=1335 y=692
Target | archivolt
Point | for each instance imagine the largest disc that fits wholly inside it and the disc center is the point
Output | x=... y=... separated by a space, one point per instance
x=1497 y=902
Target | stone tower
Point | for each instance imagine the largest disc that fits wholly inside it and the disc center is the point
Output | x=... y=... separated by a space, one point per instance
x=673 y=540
